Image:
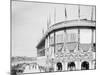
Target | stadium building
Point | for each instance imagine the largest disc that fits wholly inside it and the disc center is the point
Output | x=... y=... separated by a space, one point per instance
x=68 y=45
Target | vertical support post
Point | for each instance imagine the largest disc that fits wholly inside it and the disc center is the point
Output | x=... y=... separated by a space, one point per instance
x=63 y=66
x=54 y=44
x=79 y=12
x=64 y=40
x=78 y=65
x=65 y=15
x=45 y=45
x=48 y=50
x=78 y=39
x=92 y=40
x=92 y=14
x=55 y=68
x=66 y=63
x=90 y=65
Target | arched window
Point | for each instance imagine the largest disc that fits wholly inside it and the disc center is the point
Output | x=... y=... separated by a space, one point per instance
x=71 y=66
x=85 y=65
x=59 y=36
x=59 y=66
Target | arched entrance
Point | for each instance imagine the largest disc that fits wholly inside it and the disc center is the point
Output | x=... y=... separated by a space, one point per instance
x=71 y=66
x=85 y=65
x=59 y=66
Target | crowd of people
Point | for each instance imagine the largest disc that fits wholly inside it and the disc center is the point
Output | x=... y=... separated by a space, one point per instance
x=25 y=68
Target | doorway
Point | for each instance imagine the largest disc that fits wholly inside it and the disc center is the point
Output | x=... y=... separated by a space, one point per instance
x=71 y=66
x=85 y=65
x=59 y=66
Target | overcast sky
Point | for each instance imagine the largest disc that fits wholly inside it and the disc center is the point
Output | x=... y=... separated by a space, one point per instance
x=30 y=18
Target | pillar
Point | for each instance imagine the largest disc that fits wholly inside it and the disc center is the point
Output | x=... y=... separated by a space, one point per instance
x=55 y=68
x=90 y=65
x=66 y=66
x=78 y=65
x=63 y=66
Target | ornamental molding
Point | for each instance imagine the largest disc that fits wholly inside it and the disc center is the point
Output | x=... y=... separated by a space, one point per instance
x=75 y=56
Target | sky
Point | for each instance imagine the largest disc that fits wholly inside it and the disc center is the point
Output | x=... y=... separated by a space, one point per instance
x=29 y=19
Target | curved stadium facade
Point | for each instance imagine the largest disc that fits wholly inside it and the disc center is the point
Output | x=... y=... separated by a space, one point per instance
x=68 y=45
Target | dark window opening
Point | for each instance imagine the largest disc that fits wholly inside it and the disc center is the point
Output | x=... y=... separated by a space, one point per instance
x=59 y=66
x=85 y=65
x=71 y=66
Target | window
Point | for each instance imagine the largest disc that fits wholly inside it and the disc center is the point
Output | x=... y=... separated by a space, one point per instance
x=59 y=40
x=51 y=47
x=85 y=39
x=71 y=39
x=51 y=51
x=59 y=47
x=51 y=38
x=85 y=36
x=72 y=35
x=59 y=37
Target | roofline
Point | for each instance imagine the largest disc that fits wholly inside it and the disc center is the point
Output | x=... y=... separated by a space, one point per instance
x=72 y=21
x=67 y=27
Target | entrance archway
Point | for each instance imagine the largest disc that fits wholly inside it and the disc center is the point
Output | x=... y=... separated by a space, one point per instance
x=71 y=66
x=59 y=66
x=85 y=65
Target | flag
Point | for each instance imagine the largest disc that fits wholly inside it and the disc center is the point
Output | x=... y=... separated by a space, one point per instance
x=92 y=14
x=65 y=13
x=79 y=11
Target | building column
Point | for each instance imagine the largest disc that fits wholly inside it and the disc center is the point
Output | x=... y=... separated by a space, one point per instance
x=66 y=66
x=78 y=39
x=90 y=65
x=54 y=43
x=55 y=68
x=93 y=64
x=78 y=65
x=64 y=40
x=63 y=66
x=91 y=40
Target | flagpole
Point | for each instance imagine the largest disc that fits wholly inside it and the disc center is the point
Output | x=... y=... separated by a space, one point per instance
x=65 y=14
x=92 y=14
x=54 y=15
x=79 y=12
x=78 y=28
x=48 y=21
